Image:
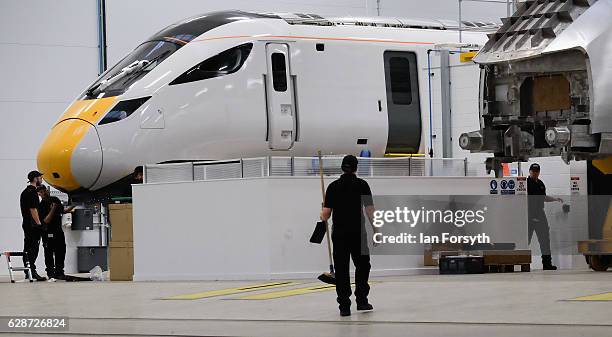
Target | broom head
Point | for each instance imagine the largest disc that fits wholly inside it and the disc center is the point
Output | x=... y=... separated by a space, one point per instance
x=328 y=278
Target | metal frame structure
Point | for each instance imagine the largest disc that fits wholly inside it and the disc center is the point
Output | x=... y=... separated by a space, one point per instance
x=416 y=165
x=510 y=7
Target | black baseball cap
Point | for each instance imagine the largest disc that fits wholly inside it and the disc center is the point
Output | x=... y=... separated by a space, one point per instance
x=34 y=174
x=349 y=163
x=534 y=167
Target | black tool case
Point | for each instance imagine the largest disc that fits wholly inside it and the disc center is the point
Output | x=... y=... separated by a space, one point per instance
x=462 y=265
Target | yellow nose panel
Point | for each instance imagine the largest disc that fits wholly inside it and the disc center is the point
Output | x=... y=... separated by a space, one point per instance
x=54 y=156
x=91 y=110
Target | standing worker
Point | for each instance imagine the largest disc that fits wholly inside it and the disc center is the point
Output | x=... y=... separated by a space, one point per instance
x=344 y=202
x=54 y=241
x=135 y=178
x=537 y=217
x=31 y=225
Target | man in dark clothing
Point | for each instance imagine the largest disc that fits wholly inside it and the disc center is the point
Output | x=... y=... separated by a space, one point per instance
x=54 y=242
x=135 y=178
x=31 y=224
x=537 y=221
x=344 y=202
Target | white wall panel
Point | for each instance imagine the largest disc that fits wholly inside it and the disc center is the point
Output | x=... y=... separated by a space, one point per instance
x=260 y=230
x=48 y=23
x=13 y=173
x=48 y=54
x=29 y=124
x=46 y=73
x=441 y=9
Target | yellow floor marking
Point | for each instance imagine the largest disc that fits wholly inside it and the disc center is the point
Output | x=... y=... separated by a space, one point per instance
x=291 y=292
x=596 y=297
x=231 y=291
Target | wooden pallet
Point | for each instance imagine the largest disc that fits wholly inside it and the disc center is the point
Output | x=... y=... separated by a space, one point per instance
x=504 y=261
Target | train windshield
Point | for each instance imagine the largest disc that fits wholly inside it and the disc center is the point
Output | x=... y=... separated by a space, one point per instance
x=159 y=47
x=133 y=67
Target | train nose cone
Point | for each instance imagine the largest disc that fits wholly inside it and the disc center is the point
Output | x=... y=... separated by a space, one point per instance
x=71 y=155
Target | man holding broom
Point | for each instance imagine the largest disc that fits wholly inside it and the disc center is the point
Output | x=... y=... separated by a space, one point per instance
x=344 y=202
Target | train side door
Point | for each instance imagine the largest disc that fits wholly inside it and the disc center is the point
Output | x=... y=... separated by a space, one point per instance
x=280 y=98
x=403 y=106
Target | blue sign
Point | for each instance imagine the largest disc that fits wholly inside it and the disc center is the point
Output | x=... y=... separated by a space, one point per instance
x=493 y=184
x=503 y=184
x=511 y=184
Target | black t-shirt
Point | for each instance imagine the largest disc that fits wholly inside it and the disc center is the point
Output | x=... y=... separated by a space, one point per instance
x=55 y=225
x=28 y=200
x=346 y=197
x=536 y=191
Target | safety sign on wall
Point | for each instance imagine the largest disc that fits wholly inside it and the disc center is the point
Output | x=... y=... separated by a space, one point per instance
x=575 y=185
x=508 y=186
x=493 y=186
x=521 y=185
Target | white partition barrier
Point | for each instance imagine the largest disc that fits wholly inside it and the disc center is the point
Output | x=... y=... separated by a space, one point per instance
x=255 y=228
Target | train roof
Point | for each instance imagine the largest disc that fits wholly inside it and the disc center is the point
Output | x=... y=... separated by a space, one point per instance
x=188 y=29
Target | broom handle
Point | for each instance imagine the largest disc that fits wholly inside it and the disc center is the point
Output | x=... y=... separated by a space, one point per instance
x=329 y=251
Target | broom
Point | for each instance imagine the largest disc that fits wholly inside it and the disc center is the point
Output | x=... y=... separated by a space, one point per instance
x=331 y=276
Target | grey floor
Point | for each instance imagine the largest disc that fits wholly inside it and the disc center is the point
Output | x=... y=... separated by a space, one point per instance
x=517 y=304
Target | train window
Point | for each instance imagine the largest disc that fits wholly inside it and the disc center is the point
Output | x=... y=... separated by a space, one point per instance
x=227 y=62
x=123 y=109
x=133 y=67
x=401 y=89
x=279 y=72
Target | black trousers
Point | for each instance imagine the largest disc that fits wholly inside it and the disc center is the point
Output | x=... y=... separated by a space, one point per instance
x=348 y=246
x=31 y=244
x=55 y=252
x=539 y=224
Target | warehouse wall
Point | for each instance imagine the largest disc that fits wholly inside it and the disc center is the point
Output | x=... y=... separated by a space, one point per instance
x=48 y=54
x=440 y=9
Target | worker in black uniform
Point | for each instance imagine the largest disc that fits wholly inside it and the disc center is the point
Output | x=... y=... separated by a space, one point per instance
x=135 y=178
x=537 y=221
x=31 y=223
x=344 y=202
x=54 y=242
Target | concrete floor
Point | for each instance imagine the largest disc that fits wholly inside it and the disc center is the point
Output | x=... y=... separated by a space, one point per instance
x=517 y=304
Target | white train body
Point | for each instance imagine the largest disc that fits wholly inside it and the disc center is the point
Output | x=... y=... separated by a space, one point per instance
x=335 y=95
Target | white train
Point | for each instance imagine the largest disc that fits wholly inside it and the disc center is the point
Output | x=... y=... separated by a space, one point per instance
x=235 y=84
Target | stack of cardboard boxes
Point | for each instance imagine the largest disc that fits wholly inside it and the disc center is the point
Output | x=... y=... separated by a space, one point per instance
x=121 y=246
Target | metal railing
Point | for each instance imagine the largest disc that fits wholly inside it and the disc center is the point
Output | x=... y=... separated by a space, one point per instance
x=309 y=166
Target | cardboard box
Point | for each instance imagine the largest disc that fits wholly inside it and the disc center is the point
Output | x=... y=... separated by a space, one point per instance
x=121 y=261
x=120 y=216
x=428 y=260
x=501 y=257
